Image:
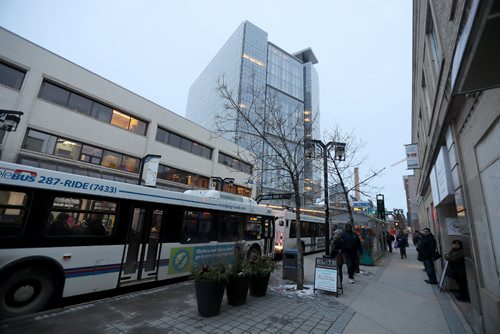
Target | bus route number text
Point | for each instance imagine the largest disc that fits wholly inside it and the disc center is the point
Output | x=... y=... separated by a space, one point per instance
x=76 y=184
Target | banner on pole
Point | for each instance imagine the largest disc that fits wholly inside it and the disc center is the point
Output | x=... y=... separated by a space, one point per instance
x=412 y=161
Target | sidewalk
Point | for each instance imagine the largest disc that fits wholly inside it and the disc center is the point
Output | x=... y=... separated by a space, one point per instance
x=391 y=297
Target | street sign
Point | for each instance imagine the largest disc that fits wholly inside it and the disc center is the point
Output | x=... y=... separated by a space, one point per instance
x=273 y=196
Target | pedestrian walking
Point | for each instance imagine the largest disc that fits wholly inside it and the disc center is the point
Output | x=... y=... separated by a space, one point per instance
x=402 y=241
x=426 y=253
x=336 y=252
x=456 y=268
x=389 y=238
x=351 y=245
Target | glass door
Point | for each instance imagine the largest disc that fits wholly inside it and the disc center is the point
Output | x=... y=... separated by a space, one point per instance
x=143 y=246
x=268 y=236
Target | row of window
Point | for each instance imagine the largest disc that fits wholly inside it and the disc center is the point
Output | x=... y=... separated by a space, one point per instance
x=44 y=143
x=235 y=163
x=79 y=216
x=183 y=143
x=67 y=216
x=69 y=99
x=11 y=76
x=181 y=176
x=307 y=229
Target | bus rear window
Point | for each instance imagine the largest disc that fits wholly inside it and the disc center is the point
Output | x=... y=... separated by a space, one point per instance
x=80 y=216
x=12 y=212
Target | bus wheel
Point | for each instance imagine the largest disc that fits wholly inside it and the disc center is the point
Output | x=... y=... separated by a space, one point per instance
x=26 y=291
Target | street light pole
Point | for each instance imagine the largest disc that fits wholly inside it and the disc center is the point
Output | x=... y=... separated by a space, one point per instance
x=223 y=181
x=339 y=154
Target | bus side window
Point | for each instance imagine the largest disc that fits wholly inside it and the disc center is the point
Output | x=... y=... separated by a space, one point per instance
x=197 y=227
x=12 y=209
x=81 y=216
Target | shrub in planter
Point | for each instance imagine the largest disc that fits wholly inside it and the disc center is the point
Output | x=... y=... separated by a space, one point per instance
x=260 y=269
x=209 y=283
x=238 y=279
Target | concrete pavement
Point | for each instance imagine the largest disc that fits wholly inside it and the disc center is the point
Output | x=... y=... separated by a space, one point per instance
x=391 y=297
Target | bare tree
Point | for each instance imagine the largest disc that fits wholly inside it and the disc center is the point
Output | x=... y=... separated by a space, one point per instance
x=273 y=131
x=343 y=172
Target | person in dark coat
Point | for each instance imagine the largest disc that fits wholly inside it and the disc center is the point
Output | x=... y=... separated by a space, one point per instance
x=336 y=252
x=426 y=249
x=456 y=268
x=351 y=245
x=402 y=240
x=389 y=238
x=416 y=238
x=94 y=225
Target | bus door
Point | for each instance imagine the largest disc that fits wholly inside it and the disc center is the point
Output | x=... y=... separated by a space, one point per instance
x=143 y=246
x=268 y=236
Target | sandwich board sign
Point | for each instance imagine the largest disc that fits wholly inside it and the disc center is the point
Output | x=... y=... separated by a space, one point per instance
x=326 y=275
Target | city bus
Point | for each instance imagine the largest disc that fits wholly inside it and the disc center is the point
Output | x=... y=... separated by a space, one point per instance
x=312 y=232
x=64 y=235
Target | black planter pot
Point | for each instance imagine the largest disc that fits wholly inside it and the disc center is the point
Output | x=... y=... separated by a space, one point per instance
x=258 y=285
x=237 y=290
x=209 y=296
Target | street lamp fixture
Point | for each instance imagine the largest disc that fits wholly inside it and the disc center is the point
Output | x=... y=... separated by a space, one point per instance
x=9 y=119
x=339 y=156
x=222 y=181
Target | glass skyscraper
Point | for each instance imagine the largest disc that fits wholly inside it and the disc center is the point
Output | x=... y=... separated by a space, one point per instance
x=249 y=59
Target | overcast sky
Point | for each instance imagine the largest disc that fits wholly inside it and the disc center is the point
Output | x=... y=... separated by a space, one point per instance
x=158 y=48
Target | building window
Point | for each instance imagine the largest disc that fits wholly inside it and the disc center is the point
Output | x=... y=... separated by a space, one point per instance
x=235 y=163
x=54 y=94
x=11 y=76
x=183 y=143
x=44 y=143
x=112 y=159
x=87 y=106
x=80 y=104
x=91 y=154
x=101 y=112
x=68 y=149
x=432 y=39
x=180 y=176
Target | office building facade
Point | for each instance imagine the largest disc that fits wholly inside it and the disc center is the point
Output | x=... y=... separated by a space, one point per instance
x=249 y=61
x=78 y=122
x=455 y=122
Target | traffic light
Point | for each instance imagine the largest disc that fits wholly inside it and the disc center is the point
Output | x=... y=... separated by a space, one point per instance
x=381 y=206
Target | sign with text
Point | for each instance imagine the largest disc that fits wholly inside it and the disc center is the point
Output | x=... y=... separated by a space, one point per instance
x=325 y=274
x=412 y=161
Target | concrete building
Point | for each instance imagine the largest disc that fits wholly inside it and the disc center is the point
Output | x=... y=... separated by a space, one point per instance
x=248 y=61
x=455 y=122
x=410 y=186
x=78 y=122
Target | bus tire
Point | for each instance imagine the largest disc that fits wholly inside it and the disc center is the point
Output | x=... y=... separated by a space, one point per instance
x=26 y=291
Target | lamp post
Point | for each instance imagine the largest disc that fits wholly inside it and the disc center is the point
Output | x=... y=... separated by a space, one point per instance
x=340 y=156
x=381 y=215
x=9 y=119
x=222 y=181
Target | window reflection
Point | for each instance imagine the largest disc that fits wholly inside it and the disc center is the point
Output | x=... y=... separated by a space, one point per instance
x=120 y=119
x=111 y=160
x=68 y=149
